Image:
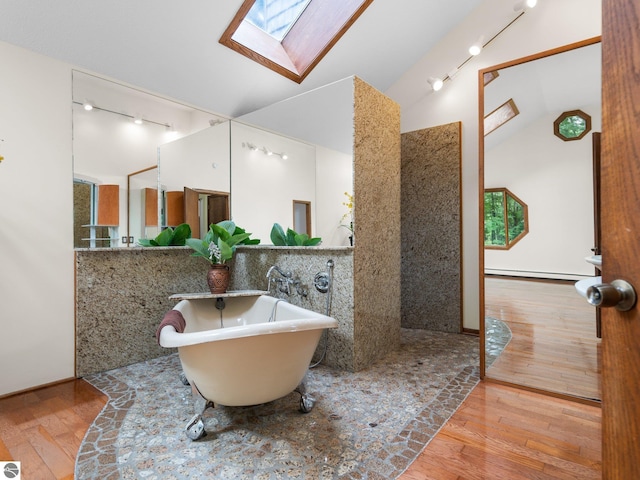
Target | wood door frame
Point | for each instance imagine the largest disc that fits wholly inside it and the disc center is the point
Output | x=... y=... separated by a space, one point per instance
x=129 y=243
x=307 y=205
x=188 y=213
x=620 y=177
x=481 y=74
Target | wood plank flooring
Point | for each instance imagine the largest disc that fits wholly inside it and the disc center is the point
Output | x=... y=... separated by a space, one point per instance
x=505 y=433
x=43 y=428
x=499 y=432
x=554 y=345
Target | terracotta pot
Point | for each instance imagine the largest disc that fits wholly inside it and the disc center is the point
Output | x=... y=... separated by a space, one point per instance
x=218 y=278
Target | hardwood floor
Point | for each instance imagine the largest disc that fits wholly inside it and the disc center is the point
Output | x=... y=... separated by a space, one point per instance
x=499 y=432
x=43 y=428
x=504 y=433
x=554 y=345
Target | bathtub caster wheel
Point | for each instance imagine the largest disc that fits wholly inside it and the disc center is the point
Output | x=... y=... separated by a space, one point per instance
x=306 y=403
x=195 y=428
x=183 y=379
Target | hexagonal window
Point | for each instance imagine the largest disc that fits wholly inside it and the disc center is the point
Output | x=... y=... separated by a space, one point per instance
x=505 y=219
x=572 y=125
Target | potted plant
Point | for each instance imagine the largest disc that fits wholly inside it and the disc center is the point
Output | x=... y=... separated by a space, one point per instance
x=349 y=215
x=169 y=237
x=291 y=238
x=217 y=247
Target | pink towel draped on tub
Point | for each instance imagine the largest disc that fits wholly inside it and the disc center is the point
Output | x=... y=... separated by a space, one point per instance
x=173 y=318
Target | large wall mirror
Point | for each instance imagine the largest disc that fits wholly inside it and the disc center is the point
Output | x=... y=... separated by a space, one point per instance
x=117 y=130
x=536 y=329
x=182 y=164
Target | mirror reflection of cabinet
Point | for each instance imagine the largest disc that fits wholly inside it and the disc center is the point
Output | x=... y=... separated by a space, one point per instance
x=204 y=207
x=150 y=207
x=174 y=205
x=96 y=214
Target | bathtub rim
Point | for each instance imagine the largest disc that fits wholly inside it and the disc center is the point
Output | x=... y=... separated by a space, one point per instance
x=170 y=338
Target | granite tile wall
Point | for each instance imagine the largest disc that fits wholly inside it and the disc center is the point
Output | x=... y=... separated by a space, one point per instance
x=376 y=259
x=431 y=229
x=123 y=293
x=252 y=263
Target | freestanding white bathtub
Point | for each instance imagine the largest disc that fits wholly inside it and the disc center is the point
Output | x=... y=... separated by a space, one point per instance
x=244 y=350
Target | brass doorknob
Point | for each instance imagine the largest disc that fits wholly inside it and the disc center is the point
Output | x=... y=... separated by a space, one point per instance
x=618 y=293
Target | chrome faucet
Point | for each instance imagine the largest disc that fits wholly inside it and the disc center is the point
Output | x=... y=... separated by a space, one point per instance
x=284 y=282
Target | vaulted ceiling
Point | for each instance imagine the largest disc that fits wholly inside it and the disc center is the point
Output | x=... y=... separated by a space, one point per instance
x=172 y=47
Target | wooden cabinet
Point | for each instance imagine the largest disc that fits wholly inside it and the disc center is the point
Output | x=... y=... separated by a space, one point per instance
x=150 y=207
x=108 y=205
x=175 y=208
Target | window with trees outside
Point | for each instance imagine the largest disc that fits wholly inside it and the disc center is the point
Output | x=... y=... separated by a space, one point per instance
x=505 y=219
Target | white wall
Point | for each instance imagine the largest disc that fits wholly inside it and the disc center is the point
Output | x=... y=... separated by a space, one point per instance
x=334 y=177
x=263 y=187
x=36 y=195
x=36 y=213
x=554 y=178
x=551 y=24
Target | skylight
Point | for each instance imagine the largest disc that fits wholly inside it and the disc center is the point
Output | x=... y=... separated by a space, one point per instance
x=276 y=17
x=500 y=116
x=290 y=37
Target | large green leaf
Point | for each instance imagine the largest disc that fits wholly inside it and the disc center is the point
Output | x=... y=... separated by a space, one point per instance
x=168 y=237
x=246 y=241
x=180 y=234
x=226 y=252
x=278 y=237
x=200 y=247
x=165 y=236
x=291 y=238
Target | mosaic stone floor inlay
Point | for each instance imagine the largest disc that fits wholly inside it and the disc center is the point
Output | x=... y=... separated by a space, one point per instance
x=497 y=336
x=366 y=425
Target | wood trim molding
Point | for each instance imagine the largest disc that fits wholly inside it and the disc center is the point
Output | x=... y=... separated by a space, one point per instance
x=548 y=393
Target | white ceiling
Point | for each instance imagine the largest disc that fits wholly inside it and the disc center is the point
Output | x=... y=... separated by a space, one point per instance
x=172 y=48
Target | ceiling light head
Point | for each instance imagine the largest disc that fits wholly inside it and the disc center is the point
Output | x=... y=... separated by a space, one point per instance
x=87 y=106
x=284 y=156
x=137 y=121
x=436 y=83
x=476 y=48
x=522 y=5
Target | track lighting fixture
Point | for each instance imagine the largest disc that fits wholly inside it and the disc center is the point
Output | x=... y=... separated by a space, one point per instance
x=520 y=6
x=264 y=150
x=436 y=83
x=88 y=106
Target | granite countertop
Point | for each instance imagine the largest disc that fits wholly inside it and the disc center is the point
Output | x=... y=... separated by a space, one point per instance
x=227 y=294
